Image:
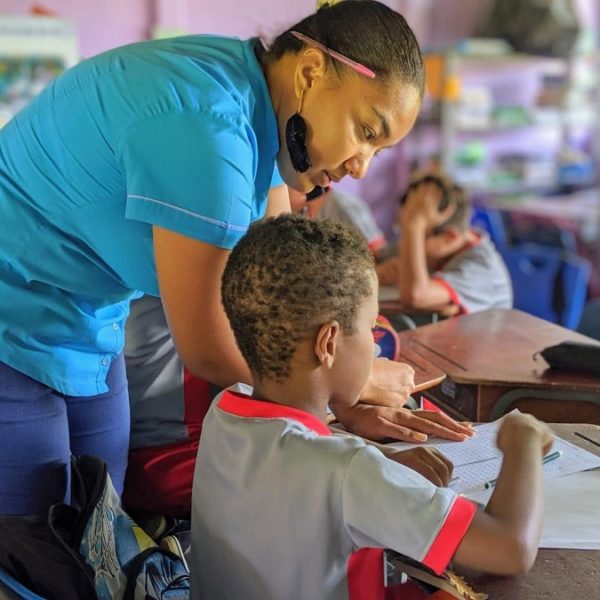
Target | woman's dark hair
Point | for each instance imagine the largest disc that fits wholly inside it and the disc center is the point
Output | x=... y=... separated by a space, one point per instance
x=366 y=31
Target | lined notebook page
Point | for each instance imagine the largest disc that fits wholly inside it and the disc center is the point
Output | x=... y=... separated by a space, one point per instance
x=477 y=460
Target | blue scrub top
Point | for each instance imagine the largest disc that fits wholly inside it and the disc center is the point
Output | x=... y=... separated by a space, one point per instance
x=179 y=133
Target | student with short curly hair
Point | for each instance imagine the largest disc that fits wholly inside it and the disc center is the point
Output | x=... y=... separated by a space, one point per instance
x=281 y=508
x=284 y=309
x=168 y=403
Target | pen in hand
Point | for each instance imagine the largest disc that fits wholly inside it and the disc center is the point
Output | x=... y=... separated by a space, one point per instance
x=547 y=459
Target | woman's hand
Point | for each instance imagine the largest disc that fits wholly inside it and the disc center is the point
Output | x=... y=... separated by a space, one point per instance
x=391 y=383
x=381 y=422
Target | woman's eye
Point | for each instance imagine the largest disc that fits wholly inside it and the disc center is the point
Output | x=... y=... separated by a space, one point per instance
x=369 y=134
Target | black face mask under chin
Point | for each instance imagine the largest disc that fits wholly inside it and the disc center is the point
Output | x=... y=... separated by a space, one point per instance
x=295 y=138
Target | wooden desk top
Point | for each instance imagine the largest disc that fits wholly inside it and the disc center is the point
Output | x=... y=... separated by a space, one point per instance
x=556 y=574
x=496 y=347
x=426 y=374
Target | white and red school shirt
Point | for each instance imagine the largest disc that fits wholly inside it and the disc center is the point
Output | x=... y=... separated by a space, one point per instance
x=285 y=509
x=476 y=277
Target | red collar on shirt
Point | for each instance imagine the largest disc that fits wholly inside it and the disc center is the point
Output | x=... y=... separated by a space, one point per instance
x=244 y=406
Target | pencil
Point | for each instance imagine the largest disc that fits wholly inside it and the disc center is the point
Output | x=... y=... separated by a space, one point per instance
x=547 y=459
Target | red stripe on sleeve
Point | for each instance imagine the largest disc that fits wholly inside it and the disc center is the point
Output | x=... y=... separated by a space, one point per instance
x=365 y=574
x=450 y=535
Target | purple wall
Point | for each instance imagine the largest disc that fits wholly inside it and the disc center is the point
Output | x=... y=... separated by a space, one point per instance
x=103 y=24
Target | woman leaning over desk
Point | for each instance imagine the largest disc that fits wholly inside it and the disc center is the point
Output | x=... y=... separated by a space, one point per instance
x=136 y=172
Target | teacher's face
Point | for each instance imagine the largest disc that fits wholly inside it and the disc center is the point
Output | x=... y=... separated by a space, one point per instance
x=348 y=122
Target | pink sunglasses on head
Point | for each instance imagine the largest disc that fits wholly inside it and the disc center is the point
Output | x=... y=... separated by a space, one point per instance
x=339 y=57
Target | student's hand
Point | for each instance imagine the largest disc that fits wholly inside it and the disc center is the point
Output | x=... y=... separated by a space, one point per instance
x=429 y=462
x=387 y=271
x=391 y=383
x=422 y=206
x=519 y=428
x=381 y=422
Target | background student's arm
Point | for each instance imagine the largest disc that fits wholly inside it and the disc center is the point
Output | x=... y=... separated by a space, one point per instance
x=419 y=215
x=387 y=271
x=189 y=274
x=504 y=538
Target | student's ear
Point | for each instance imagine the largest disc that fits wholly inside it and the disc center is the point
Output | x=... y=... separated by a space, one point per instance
x=326 y=343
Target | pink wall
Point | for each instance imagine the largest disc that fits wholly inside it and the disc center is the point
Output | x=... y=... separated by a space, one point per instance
x=103 y=24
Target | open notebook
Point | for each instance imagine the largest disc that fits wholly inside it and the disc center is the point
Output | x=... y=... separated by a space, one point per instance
x=477 y=461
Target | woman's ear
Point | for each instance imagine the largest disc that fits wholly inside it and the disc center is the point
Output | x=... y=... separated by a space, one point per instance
x=326 y=343
x=311 y=67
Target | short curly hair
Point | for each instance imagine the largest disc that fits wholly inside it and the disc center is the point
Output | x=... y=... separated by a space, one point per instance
x=287 y=276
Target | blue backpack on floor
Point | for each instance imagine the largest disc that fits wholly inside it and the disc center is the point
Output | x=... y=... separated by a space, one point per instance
x=90 y=549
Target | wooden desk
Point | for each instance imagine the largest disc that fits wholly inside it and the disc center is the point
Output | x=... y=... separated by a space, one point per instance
x=427 y=375
x=556 y=574
x=489 y=360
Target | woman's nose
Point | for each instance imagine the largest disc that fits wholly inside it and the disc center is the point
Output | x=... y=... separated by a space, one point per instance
x=357 y=167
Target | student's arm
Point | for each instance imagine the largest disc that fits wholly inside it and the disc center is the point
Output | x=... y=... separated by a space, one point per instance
x=419 y=215
x=504 y=538
x=428 y=462
x=387 y=271
x=189 y=274
x=381 y=422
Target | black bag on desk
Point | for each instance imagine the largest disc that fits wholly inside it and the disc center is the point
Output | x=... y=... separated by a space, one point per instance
x=574 y=356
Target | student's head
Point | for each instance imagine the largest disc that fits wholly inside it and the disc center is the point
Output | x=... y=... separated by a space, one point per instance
x=302 y=291
x=448 y=237
x=349 y=116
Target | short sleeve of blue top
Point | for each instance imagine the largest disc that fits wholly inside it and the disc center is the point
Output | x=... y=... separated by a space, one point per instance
x=178 y=133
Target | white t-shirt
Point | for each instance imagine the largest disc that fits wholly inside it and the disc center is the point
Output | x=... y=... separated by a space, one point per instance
x=354 y=211
x=284 y=506
x=477 y=278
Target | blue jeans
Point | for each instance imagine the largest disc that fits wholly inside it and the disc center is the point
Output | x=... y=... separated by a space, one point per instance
x=40 y=429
